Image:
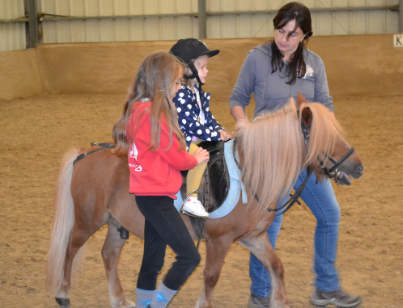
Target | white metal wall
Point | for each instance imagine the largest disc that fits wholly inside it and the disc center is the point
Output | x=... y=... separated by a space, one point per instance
x=222 y=26
x=324 y=23
x=12 y=34
x=138 y=28
x=173 y=19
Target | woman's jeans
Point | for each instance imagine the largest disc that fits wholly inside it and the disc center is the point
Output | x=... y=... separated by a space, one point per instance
x=164 y=226
x=320 y=198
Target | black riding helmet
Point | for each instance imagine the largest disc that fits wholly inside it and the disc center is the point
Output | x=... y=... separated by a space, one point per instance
x=187 y=50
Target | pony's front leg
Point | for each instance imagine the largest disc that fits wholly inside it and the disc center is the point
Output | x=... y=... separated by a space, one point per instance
x=216 y=250
x=262 y=249
x=110 y=253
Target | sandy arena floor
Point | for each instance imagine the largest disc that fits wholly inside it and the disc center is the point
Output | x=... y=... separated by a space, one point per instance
x=37 y=131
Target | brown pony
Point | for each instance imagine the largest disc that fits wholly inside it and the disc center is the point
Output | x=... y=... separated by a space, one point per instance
x=272 y=151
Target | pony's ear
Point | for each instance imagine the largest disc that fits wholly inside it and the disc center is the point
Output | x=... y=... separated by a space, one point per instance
x=306 y=116
x=300 y=99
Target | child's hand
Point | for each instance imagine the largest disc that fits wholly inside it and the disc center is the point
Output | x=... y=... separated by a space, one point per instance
x=242 y=123
x=224 y=136
x=201 y=155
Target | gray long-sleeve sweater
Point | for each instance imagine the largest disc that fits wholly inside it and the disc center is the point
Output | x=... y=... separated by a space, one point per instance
x=271 y=90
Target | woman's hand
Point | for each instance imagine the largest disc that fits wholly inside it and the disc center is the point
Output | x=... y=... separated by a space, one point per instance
x=224 y=136
x=201 y=155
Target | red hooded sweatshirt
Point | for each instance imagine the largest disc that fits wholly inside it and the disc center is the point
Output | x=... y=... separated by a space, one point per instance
x=154 y=173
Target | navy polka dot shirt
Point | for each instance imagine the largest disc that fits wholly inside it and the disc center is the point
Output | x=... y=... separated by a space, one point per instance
x=188 y=116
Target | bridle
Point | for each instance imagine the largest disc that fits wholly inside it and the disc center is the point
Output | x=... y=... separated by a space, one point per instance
x=331 y=173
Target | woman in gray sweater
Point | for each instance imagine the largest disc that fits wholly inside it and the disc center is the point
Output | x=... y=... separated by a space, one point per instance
x=274 y=72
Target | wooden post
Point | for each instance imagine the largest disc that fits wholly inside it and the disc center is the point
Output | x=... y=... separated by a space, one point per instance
x=202 y=18
x=31 y=27
x=401 y=16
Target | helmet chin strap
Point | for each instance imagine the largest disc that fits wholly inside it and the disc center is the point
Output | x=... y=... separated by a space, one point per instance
x=194 y=75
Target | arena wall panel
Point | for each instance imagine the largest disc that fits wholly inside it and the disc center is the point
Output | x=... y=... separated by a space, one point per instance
x=356 y=65
x=20 y=74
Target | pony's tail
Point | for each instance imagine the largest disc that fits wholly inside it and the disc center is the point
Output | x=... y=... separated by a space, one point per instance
x=63 y=223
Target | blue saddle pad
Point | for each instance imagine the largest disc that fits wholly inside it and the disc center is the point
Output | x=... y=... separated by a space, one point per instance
x=235 y=186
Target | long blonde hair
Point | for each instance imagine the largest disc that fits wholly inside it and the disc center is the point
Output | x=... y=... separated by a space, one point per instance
x=154 y=80
x=272 y=154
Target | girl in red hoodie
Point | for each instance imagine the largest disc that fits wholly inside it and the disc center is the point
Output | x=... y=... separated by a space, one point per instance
x=157 y=154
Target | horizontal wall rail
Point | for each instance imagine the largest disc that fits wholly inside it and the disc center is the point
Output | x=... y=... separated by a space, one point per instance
x=13 y=20
x=314 y=10
x=54 y=17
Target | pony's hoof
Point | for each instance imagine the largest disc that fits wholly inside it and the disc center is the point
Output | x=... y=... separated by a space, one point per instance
x=122 y=303
x=63 y=302
x=124 y=234
x=258 y=302
x=130 y=304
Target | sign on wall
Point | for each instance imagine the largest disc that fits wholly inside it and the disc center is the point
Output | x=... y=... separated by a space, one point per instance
x=398 y=40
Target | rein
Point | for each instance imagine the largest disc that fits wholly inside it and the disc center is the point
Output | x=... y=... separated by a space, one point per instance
x=102 y=146
x=294 y=197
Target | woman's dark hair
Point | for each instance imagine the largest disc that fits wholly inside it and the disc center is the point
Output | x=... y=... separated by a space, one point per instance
x=302 y=16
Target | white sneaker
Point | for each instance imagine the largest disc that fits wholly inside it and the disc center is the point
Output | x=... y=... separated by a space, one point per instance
x=193 y=207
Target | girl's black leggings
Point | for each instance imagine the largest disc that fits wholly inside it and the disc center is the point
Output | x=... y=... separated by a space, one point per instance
x=164 y=226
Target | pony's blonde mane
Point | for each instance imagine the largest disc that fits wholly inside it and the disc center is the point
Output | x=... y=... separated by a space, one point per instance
x=271 y=150
x=324 y=133
x=273 y=153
